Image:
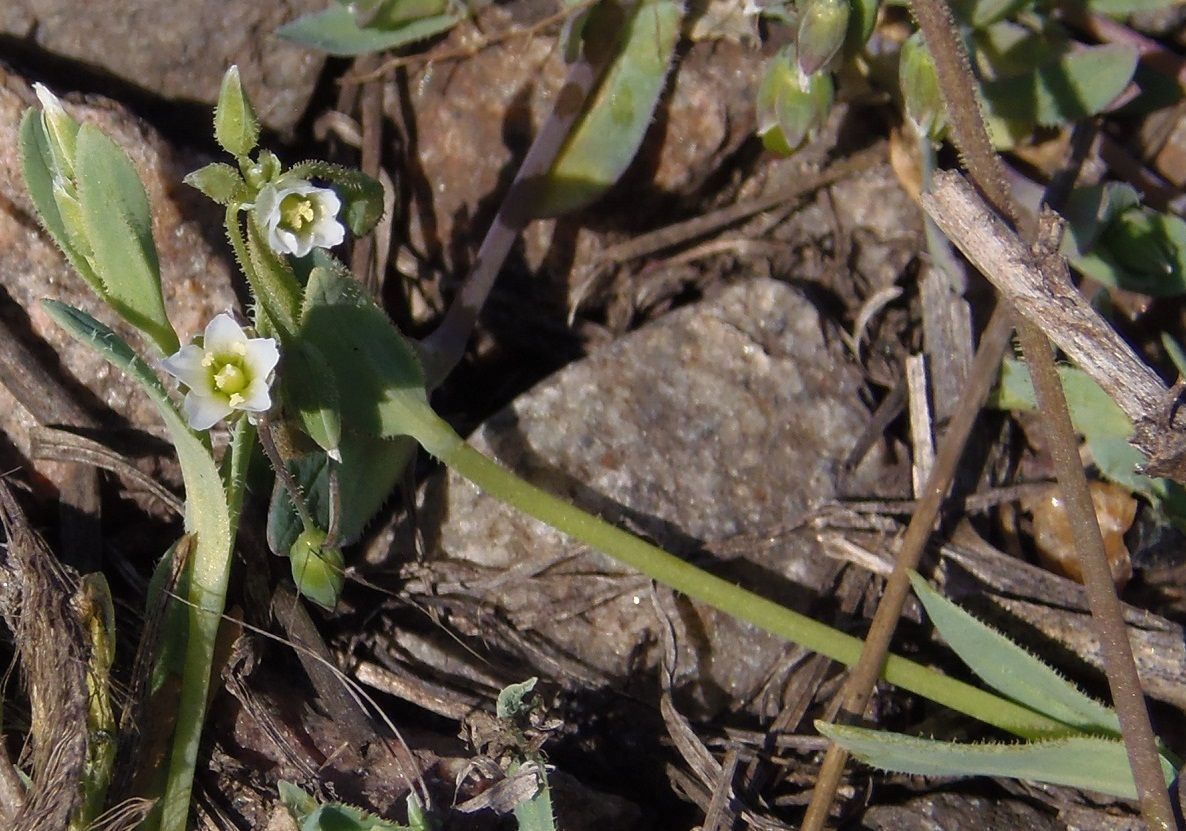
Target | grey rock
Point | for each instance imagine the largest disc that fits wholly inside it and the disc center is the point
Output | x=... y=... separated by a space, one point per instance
x=179 y=49
x=729 y=417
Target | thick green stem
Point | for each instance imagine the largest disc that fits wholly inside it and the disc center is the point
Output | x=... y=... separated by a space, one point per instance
x=699 y=585
x=209 y=575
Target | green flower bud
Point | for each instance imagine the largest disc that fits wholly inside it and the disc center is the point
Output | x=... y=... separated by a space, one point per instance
x=920 y=88
x=822 y=29
x=1139 y=241
x=235 y=126
x=318 y=572
x=61 y=129
x=265 y=169
x=790 y=104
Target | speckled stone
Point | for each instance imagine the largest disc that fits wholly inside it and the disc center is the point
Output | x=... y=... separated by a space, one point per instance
x=195 y=276
x=729 y=417
x=179 y=49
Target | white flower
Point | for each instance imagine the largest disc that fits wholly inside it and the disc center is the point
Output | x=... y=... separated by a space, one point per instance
x=297 y=216
x=228 y=372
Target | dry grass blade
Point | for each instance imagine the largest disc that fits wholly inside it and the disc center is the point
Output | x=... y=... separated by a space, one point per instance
x=36 y=600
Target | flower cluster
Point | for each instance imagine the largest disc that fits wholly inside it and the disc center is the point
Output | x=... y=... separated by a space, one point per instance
x=227 y=372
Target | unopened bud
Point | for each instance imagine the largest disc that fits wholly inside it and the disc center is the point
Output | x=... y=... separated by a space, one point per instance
x=264 y=169
x=790 y=104
x=1139 y=240
x=920 y=89
x=61 y=129
x=317 y=571
x=235 y=126
x=822 y=29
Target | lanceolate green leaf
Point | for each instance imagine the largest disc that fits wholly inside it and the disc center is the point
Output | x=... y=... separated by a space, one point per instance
x=605 y=140
x=208 y=518
x=337 y=32
x=118 y=224
x=220 y=182
x=312 y=393
x=1095 y=764
x=1009 y=669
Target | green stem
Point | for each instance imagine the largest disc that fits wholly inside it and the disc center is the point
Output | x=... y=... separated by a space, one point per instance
x=209 y=575
x=440 y=440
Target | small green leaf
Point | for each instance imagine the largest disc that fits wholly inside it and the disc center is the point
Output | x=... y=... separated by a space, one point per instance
x=919 y=82
x=1105 y=428
x=1095 y=764
x=370 y=470
x=1123 y=8
x=236 y=129
x=535 y=814
x=1008 y=48
x=379 y=377
x=311 y=815
x=311 y=393
x=1079 y=84
x=361 y=195
x=219 y=182
x=606 y=138
x=860 y=24
x=1118 y=242
x=336 y=31
x=1009 y=669
x=510 y=699
x=392 y=14
x=118 y=222
x=981 y=13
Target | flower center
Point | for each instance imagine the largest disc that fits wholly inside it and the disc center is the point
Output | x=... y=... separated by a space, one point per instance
x=296 y=211
x=230 y=379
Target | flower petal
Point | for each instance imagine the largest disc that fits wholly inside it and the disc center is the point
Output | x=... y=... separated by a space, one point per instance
x=328 y=232
x=224 y=336
x=256 y=398
x=261 y=358
x=203 y=411
x=186 y=366
x=283 y=241
x=267 y=205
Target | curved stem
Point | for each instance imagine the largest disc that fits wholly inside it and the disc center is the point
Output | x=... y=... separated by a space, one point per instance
x=707 y=588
